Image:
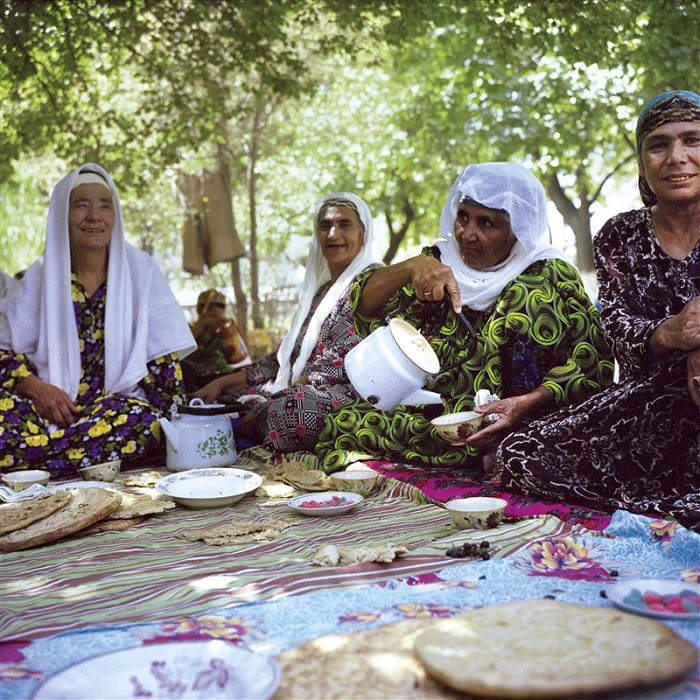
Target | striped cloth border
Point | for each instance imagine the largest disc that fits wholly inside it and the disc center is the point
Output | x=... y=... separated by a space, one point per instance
x=146 y=574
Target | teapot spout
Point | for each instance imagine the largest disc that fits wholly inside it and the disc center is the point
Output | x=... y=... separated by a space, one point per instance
x=171 y=433
x=422 y=396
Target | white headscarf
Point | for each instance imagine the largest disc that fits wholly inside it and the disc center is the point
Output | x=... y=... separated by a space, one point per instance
x=317 y=273
x=143 y=320
x=512 y=188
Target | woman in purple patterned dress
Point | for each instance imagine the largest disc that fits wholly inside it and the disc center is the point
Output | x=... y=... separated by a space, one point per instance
x=636 y=445
x=89 y=340
x=305 y=379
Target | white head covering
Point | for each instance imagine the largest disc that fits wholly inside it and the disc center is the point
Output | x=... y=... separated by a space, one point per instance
x=317 y=273
x=512 y=188
x=143 y=320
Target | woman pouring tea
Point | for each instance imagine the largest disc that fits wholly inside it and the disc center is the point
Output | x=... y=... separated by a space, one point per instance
x=533 y=336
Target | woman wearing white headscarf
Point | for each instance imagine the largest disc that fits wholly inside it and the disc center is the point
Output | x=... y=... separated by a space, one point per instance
x=305 y=379
x=89 y=340
x=535 y=337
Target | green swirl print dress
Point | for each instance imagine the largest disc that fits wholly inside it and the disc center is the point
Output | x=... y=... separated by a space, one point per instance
x=542 y=331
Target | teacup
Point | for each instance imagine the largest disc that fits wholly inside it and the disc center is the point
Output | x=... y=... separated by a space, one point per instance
x=455 y=428
x=105 y=471
x=357 y=481
x=480 y=512
x=20 y=480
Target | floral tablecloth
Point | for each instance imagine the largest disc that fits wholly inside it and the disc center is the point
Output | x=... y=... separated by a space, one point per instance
x=575 y=567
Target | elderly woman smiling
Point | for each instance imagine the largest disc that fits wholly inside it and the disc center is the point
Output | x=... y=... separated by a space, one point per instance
x=637 y=444
x=537 y=342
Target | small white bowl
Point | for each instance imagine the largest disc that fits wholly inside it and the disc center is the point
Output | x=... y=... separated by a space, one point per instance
x=105 y=471
x=25 y=478
x=479 y=513
x=357 y=481
x=325 y=503
x=455 y=428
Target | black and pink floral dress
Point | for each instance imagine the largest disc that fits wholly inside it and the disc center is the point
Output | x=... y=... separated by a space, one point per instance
x=635 y=445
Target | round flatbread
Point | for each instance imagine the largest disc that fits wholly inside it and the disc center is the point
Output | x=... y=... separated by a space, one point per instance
x=135 y=505
x=544 y=648
x=86 y=507
x=376 y=663
x=14 y=516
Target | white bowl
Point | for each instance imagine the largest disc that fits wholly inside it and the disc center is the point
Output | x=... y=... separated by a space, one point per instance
x=359 y=481
x=455 y=428
x=209 y=488
x=480 y=512
x=105 y=471
x=24 y=478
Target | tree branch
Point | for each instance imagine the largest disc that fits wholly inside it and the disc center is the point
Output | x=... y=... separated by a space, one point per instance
x=610 y=174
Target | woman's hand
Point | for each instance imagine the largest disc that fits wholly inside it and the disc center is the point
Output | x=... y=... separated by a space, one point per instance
x=510 y=412
x=49 y=401
x=228 y=384
x=694 y=376
x=682 y=331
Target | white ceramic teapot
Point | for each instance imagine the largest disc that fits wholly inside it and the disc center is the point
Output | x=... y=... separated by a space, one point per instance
x=390 y=366
x=199 y=435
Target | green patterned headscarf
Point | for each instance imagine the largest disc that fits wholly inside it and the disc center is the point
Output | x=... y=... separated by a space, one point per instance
x=672 y=106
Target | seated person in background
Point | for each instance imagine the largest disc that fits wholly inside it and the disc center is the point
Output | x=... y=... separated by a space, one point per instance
x=636 y=445
x=306 y=379
x=537 y=341
x=219 y=342
x=89 y=340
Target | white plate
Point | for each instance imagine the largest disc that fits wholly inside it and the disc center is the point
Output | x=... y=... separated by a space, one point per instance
x=82 y=485
x=338 y=502
x=628 y=595
x=209 y=488
x=213 y=669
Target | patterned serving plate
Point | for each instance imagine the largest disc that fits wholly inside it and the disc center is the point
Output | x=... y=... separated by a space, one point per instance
x=657 y=598
x=197 y=669
x=209 y=488
x=325 y=503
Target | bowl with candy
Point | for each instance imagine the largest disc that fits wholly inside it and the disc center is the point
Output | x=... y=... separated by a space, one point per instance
x=325 y=503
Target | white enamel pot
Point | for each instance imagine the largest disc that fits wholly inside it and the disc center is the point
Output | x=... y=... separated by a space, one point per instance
x=199 y=435
x=389 y=367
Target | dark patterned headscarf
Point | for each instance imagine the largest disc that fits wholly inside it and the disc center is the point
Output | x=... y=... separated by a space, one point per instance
x=672 y=106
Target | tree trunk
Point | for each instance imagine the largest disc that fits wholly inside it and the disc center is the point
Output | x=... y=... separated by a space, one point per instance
x=396 y=237
x=240 y=300
x=578 y=218
x=253 y=154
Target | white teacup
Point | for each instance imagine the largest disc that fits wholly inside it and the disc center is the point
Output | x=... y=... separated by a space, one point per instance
x=455 y=428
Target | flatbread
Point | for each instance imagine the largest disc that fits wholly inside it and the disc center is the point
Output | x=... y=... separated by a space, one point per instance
x=14 y=516
x=298 y=475
x=111 y=526
x=383 y=552
x=86 y=507
x=376 y=663
x=143 y=479
x=544 y=648
x=238 y=531
x=137 y=504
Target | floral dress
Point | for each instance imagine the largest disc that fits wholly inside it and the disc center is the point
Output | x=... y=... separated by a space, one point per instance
x=635 y=445
x=292 y=418
x=542 y=331
x=113 y=426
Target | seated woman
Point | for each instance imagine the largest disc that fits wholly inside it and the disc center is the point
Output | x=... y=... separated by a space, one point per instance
x=89 y=340
x=219 y=342
x=636 y=445
x=306 y=379
x=536 y=343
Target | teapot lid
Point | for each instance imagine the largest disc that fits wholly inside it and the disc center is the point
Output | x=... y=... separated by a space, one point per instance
x=197 y=407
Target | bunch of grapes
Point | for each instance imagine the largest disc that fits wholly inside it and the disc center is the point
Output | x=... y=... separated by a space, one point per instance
x=470 y=550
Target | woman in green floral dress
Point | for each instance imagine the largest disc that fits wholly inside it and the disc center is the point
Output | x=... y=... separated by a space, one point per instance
x=537 y=340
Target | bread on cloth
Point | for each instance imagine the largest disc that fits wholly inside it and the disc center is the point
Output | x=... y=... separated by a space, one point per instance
x=375 y=663
x=14 y=516
x=85 y=507
x=544 y=648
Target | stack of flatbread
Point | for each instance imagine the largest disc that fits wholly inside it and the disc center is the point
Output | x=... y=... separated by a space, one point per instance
x=521 y=649
x=297 y=475
x=39 y=521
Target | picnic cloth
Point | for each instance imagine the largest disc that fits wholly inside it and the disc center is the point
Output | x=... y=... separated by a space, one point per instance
x=574 y=567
